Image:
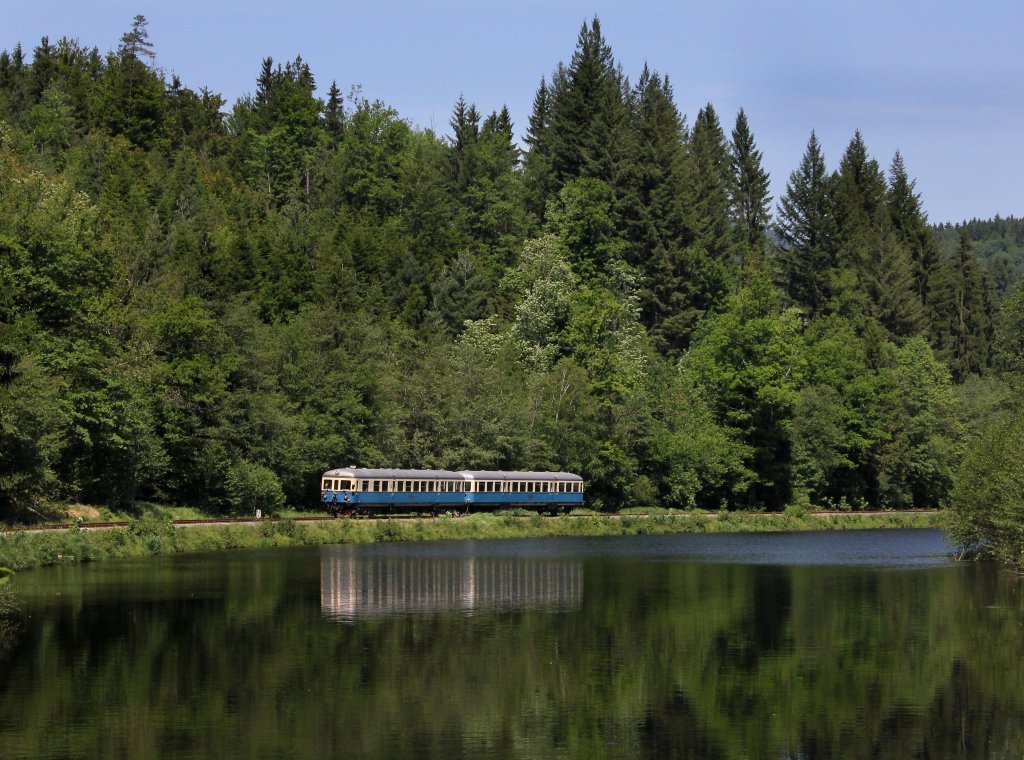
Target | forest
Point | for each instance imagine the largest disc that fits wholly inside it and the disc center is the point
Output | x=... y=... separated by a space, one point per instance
x=210 y=304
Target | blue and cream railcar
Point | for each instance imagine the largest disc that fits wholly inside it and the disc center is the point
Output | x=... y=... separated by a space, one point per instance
x=355 y=489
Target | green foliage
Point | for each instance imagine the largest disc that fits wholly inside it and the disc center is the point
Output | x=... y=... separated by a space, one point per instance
x=806 y=228
x=749 y=365
x=997 y=242
x=251 y=487
x=987 y=502
x=211 y=309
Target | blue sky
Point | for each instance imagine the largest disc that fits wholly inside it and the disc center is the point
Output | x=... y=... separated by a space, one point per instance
x=941 y=81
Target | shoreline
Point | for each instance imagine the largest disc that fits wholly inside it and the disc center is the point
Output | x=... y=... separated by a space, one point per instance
x=26 y=550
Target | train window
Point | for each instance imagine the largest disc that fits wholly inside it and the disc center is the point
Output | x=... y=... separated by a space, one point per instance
x=544 y=487
x=366 y=485
x=376 y=485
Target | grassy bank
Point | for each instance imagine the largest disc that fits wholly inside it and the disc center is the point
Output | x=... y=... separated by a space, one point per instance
x=150 y=536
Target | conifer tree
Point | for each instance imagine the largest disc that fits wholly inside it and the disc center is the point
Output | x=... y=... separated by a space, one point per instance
x=751 y=200
x=877 y=265
x=334 y=114
x=465 y=124
x=859 y=199
x=588 y=112
x=962 y=312
x=710 y=181
x=805 y=228
x=652 y=177
x=539 y=177
x=887 y=278
x=132 y=98
x=651 y=202
x=910 y=224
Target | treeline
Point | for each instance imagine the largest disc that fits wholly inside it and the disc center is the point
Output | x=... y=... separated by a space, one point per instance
x=997 y=242
x=212 y=307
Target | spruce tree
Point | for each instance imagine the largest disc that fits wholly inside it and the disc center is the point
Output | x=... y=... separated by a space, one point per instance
x=877 y=266
x=910 y=224
x=751 y=201
x=465 y=124
x=131 y=100
x=859 y=199
x=334 y=114
x=652 y=193
x=805 y=226
x=710 y=185
x=588 y=112
x=962 y=312
x=538 y=175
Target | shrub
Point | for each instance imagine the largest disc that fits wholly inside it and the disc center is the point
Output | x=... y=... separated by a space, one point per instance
x=387 y=530
x=986 y=515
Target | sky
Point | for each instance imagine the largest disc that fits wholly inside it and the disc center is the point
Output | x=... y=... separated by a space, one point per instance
x=942 y=82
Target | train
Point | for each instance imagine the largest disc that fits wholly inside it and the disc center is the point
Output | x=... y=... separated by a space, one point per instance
x=356 y=490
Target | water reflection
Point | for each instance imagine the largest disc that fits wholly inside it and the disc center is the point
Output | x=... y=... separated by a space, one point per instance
x=354 y=585
x=556 y=649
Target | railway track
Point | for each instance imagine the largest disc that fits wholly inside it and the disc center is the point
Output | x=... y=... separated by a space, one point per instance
x=91 y=526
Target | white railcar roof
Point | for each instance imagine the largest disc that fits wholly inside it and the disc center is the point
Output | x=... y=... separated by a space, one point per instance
x=513 y=475
x=363 y=473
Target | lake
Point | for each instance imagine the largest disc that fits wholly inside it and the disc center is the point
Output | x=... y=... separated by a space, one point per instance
x=861 y=644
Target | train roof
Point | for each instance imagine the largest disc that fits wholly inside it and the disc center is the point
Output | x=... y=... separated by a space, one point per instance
x=514 y=475
x=361 y=472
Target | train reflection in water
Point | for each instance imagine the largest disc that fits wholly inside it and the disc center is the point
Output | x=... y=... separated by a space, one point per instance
x=355 y=586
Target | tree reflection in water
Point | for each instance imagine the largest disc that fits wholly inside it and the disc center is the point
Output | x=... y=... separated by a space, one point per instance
x=242 y=654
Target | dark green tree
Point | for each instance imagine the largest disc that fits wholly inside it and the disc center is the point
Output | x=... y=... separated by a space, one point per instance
x=751 y=199
x=710 y=186
x=539 y=177
x=131 y=99
x=962 y=313
x=588 y=113
x=806 y=227
x=910 y=224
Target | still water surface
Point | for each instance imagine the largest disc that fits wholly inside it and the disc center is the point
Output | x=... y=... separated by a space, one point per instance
x=812 y=645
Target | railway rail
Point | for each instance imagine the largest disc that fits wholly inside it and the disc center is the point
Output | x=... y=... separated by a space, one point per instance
x=90 y=526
